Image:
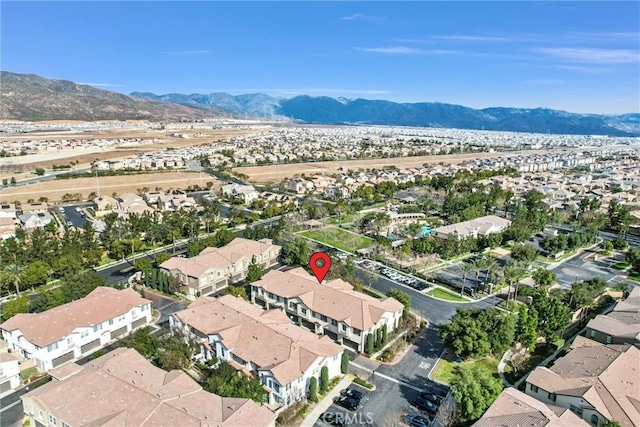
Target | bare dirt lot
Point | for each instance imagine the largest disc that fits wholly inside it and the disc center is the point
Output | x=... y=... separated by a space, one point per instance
x=274 y=173
x=54 y=190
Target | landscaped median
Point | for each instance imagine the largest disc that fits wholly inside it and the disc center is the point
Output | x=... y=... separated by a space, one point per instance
x=445 y=295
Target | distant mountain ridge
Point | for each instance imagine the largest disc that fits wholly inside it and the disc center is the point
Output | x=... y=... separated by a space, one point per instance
x=327 y=110
x=30 y=97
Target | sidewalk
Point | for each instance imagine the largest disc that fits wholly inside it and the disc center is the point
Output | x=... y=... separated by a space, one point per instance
x=326 y=402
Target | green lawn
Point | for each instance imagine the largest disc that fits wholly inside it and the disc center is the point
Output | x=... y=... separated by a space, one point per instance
x=445 y=370
x=340 y=239
x=620 y=265
x=445 y=295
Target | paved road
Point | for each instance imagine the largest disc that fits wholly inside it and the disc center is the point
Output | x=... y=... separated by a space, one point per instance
x=436 y=311
x=579 y=268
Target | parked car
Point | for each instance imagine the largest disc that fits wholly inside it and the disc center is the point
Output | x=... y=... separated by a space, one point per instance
x=425 y=405
x=416 y=420
x=355 y=394
x=69 y=223
x=61 y=209
x=347 y=402
x=78 y=209
x=333 y=419
x=436 y=400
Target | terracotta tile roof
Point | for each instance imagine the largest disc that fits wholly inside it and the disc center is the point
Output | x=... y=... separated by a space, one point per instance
x=516 y=409
x=123 y=389
x=331 y=299
x=606 y=376
x=266 y=338
x=53 y=325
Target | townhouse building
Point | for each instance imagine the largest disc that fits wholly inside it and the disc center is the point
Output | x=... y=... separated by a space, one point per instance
x=595 y=381
x=264 y=342
x=620 y=326
x=474 y=228
x=9 y=369
x=76 y=329
x=216 y=268
x=332 y=308
x=122 y=388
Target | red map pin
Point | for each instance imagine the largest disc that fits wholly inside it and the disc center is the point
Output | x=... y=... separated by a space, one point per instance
x=320 y=263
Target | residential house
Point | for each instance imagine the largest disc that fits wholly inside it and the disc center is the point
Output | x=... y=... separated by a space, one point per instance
x=300 y=185
x=594 y=380
x=513 y=408
x=215 y=268
x=474 y=228
x=104 y=205
x=76 y=329
x=31 y=221
x=332 y=308
x=9 y=369
x=122 y=388
x=621 y=326
x=265 y=342
x=8 y=228
x=8 y=211
x=38 y=207
x=245 y=192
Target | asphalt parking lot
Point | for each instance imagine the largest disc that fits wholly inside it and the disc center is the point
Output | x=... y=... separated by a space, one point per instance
x=579 y=268
x=71 y=215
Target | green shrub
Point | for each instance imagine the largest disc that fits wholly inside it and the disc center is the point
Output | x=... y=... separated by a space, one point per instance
x=344 y=365
x=363 y=383
x=313 y=389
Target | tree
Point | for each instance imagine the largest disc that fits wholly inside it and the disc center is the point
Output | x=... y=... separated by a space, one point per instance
x=527 y=326
x=403 y=298
x=474 y=390
x=465 y=268
x=324 y=379
x=13 y=180
x=296 y=252
x=543 y=277
x=39 y=171
x=15 y=271
x=313 y=390
x=524 y=252
x=237 y=291
x=384 y=334
x=14 y=306
x=143 y=264
x=607 y=246
x=35 y=274
x=633 y=258
x=369 y=344
x=254 y=272
x=344 y=363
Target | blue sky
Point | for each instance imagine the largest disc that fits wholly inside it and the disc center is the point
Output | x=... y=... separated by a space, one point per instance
x=576 y=56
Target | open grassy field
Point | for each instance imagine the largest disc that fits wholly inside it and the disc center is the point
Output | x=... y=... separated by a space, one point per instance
x=445 y=370
x=340 y=239
x=54 y=190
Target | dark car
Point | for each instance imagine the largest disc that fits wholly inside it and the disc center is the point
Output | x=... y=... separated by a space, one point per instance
x=355 y=394
x=436 y=400
x=347 y=402
x=416 y=420
x=425 y=405
x=333 y=419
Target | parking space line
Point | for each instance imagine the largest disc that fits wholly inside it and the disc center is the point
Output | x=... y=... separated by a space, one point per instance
x=393 y=380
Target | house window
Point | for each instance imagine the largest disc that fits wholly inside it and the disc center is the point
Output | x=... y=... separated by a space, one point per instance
x=334 y=322
x=357 y=332
x=64 y=424
x=52 y=420
x=534 y=388
x=608 y=339
x=323 y=317
x=97 y=327
x=303 y=311
x=344 y=328
x=292 y=305
x=84 y=333
x=110 y=322
x=271 y=295
x=593 y=333
x=52 y=347
x=594 y=419
x=576 y=410
x=552 y=397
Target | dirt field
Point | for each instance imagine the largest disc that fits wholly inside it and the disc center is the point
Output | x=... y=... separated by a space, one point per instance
x=54 y=190
x=275 y=173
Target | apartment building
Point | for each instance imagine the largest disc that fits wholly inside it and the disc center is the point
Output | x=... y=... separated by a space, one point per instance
x=284 y=356
x=9 y=369
x=621 y=326
x=122 y=388
x=595 y=381
x=513 y=408
x=216 y=268
x=332 y=308
x=76 y=329
x=473 y=228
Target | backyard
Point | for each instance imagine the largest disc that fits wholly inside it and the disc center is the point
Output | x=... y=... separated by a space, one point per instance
x=341 y=239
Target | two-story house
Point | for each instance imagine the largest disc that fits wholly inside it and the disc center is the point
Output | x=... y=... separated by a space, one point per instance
x=594 y=380
x=215 y=268
x=76 y=329
x=284 y=356
x=9 y=369
x=245 y=192
x=31 y=221
x=332 y=308
x=122 y=388
x=621 y=326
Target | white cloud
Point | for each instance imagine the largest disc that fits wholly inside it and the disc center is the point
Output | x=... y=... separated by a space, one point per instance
x=359 y=17
x=592 y=55
x=186 y=52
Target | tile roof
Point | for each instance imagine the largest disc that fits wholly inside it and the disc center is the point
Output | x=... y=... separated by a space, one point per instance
x=266 y=338
x=513 y=408
x=335 y=299
x=123 y=389
x=606 y=376
x=53 y=325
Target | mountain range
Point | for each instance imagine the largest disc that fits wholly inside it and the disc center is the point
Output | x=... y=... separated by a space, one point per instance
x=328 y=110
x=31 y=97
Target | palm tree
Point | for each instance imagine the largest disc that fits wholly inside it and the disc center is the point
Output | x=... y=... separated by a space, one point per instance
x=466 y=268
x=15 y=270
x=490 y=266
x=478 y=266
